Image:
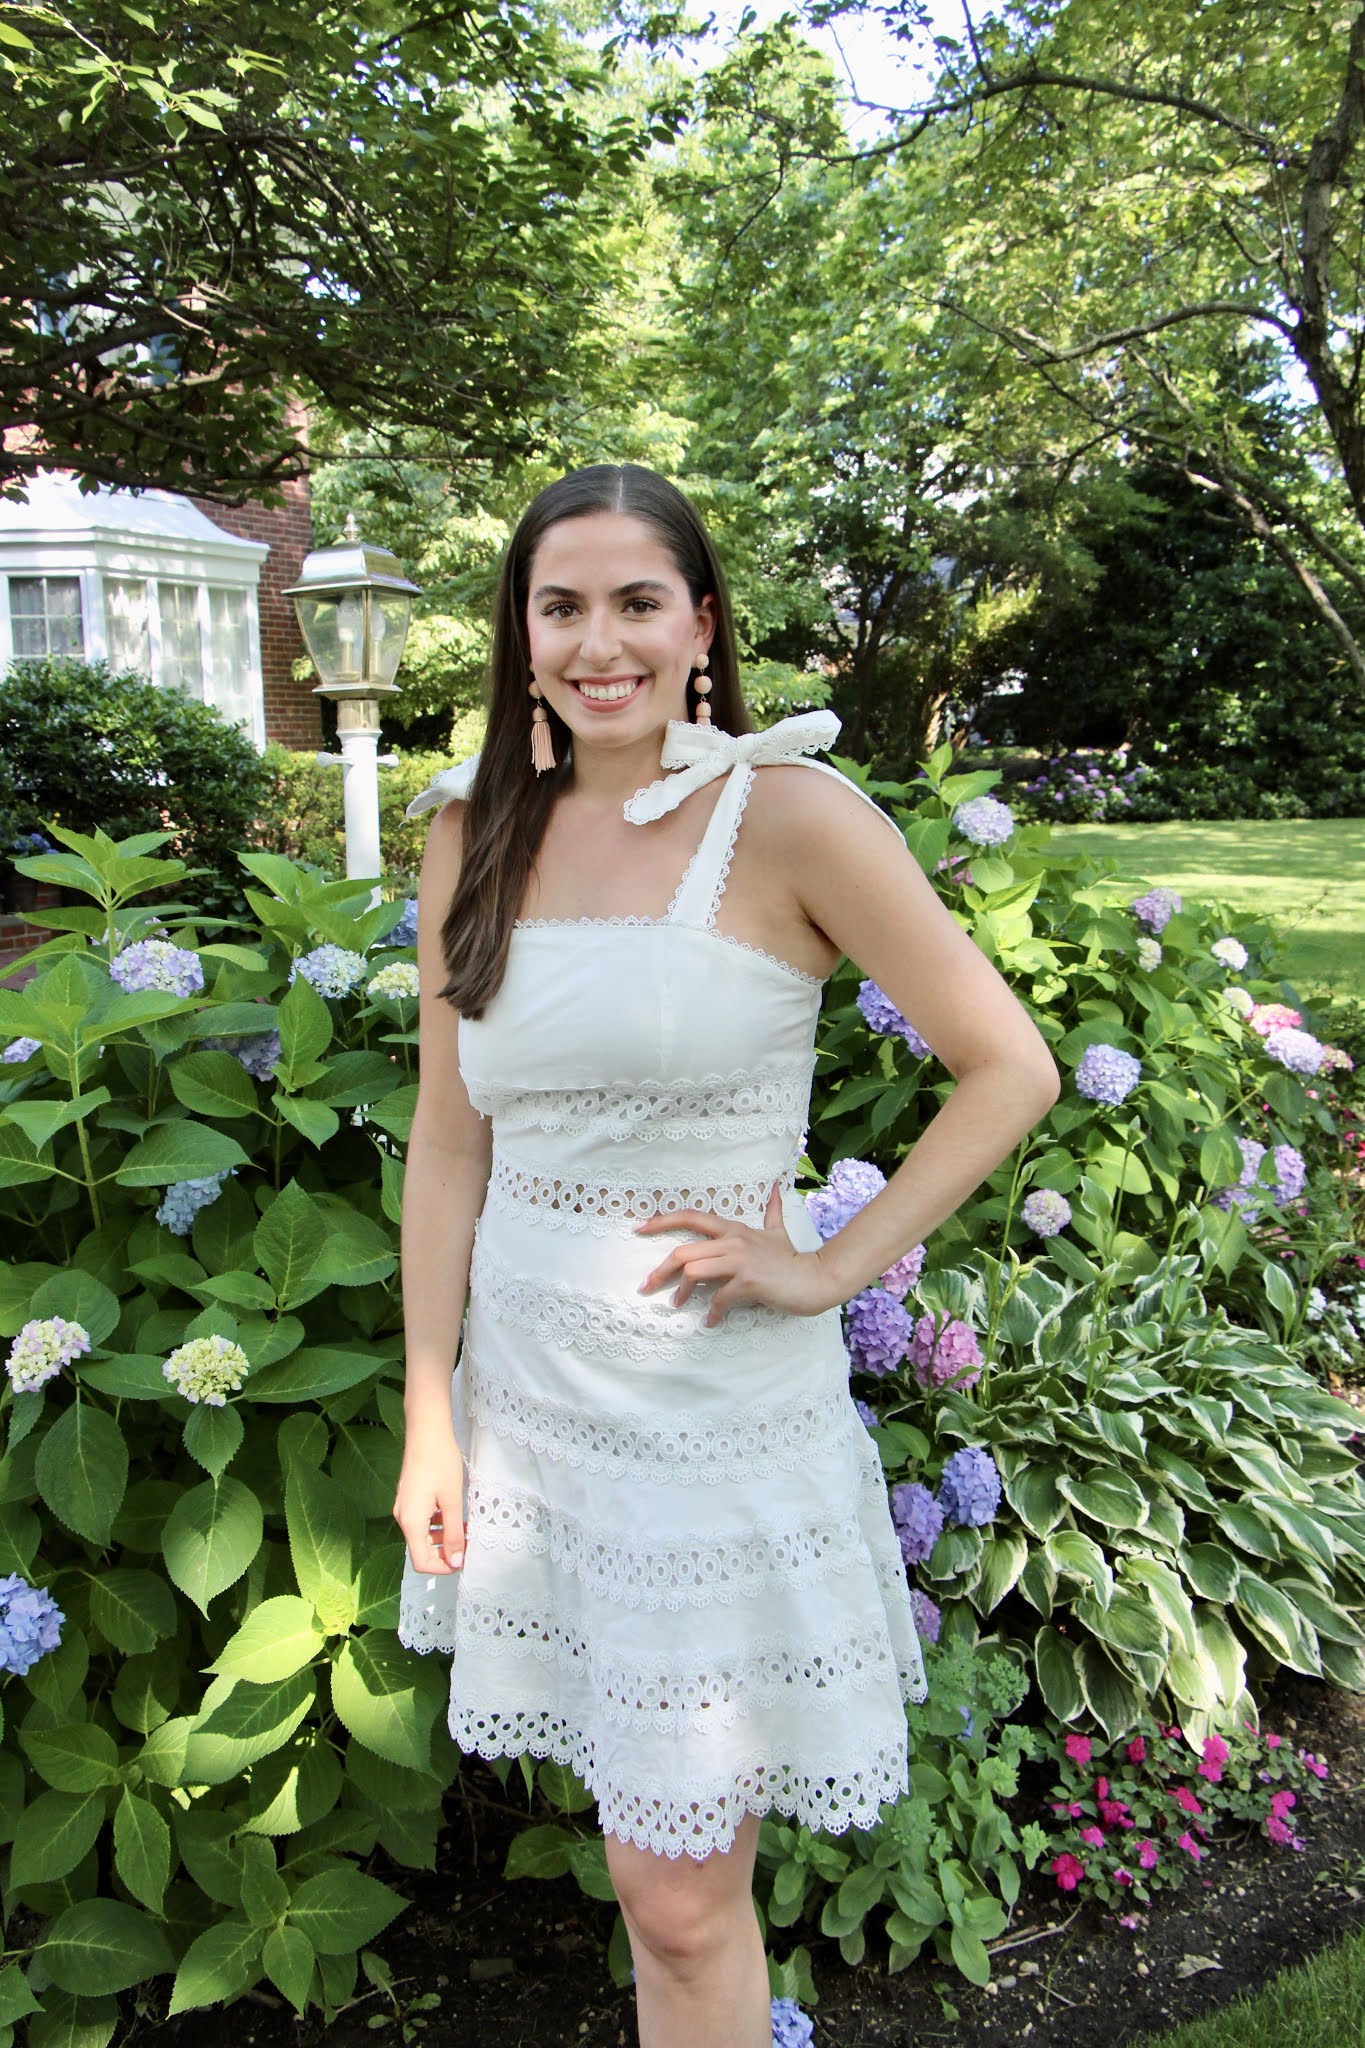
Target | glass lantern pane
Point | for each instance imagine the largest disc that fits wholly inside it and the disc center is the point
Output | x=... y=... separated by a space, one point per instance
x=388 y=629
x=331 y=625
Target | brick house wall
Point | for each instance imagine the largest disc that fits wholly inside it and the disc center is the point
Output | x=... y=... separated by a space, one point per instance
x=292 y=712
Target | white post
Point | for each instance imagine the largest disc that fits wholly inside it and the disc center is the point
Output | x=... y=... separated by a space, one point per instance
x=358 y=732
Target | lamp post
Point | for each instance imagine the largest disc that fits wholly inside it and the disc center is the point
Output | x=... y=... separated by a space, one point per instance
x=354 y=605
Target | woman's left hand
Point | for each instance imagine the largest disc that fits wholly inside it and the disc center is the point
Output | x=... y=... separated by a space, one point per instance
x=744 y=1265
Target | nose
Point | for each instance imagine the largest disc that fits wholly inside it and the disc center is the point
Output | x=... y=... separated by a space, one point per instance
x=601 y=638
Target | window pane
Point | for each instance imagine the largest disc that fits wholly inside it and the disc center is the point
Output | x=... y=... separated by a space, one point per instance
x=45 y=615
x=181 y=663
x=125 y=625
x=229 y=656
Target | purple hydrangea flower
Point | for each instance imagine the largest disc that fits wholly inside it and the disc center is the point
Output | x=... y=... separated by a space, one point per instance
x=1156 y=908
x=20 y=1049
x=880 y=1014
x=947 y=1355
x=30 y=1624
x=1291 y=1174
x=156 y=963
x=1297 y=1050
x=918 y=1519
x=41 y=1349
x=877 y=1330
x=1106 y=1074
x=901 y=1277
x=969 y=1491
x=927 y=1616
x=792 y=2028
x=259 y=1054
x=984 y=820
x=866 y=1414
x=852 y=1183
x=1045 y=1212
x=333 y=970
x=1242 y=1196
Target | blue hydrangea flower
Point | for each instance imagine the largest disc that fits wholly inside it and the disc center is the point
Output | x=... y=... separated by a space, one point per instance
x=851 y=1184
x=1230 y=953
x=918 y=1518
x=1149 y=953
x=969 y=1491
x=880 y=1014
x=30 y=1624
x=877 y=1330
x=1297 y=1050
x=1107 y=1074
x=792 y=2028
x=41 y=1349
x=404 y=932
x=984 y=820
x=1157 y=908
x=156 y=963
x=20 y=1049
x=259 y=1054
x=184 y=1199
x=332 y=970
x=927 y=1615
x=1045 y=1212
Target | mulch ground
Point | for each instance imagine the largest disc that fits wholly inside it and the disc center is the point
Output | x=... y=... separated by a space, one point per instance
x=523 y=1965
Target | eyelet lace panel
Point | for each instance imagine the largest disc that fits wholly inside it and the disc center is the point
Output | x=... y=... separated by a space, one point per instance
x=672 y=1694
x=547 y=1198
x=641 y=1329
x=750 y=1443
x=718 y=1567
x=772 y=1101
x=688 y=1816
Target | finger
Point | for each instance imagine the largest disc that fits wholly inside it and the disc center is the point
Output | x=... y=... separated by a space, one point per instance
x=772 y=1214
x=682 y=1219
x=669 y=1268
x=731 y=1295
x=448 y=1550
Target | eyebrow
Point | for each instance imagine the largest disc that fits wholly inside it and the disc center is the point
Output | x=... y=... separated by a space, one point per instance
x=624 y=590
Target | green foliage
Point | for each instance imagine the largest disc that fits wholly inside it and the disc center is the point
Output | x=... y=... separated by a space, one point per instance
x=86 y=748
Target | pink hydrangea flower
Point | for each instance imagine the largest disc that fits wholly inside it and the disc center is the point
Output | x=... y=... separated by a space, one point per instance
x=1147 y=1855
x=1215 y=1756
x=1188 y=1843
x=1068 y=1870
x=1078 y=1748
x=1137 y=1750
x=1268 y=1017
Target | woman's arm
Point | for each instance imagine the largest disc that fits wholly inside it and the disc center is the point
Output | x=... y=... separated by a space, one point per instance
x=839 y=870
x=444 y=1186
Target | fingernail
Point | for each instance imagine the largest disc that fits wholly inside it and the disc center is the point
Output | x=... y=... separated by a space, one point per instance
x=456 y=1562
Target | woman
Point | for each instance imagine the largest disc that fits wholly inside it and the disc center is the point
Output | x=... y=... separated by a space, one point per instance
x=644 y=1518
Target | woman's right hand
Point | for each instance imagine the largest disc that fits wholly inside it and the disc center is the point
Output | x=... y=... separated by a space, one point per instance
x=428 y=1505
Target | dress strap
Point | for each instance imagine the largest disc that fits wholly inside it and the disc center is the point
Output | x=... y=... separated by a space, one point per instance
x=699 y=892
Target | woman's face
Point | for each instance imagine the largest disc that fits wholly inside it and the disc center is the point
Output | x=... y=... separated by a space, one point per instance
x=612 y=628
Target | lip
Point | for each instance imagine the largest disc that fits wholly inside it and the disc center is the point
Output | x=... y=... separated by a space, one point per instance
x=608 y=703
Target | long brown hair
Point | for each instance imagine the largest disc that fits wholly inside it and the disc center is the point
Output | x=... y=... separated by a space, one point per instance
x=509 y=804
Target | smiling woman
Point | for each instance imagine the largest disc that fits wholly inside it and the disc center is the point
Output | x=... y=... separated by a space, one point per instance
x=644 y=1518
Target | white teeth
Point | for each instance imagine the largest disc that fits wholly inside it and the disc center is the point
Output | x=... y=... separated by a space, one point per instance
x=605 y=693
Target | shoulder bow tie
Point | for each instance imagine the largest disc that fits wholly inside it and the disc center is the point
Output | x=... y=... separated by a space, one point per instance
x=702 y=752
x=456 y=781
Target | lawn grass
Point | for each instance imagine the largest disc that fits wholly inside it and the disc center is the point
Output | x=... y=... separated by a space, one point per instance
x=1307 y=874
x=1321 y=2004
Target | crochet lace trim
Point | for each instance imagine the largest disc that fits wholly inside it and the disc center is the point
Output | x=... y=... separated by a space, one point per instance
x=690 y=1816
x=704 y=1568
x=747 y=1443
x=549 y=1198
x=547 y=924
x=615 y=1326
x=771 y=1101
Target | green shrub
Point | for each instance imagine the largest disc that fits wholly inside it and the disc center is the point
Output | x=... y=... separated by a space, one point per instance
x=87 y=747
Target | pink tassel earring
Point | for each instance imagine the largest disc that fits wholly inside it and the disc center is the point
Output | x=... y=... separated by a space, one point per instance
x=542 y=739
x=702 y=685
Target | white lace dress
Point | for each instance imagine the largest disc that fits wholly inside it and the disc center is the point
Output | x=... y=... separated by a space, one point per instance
x=682 y=1578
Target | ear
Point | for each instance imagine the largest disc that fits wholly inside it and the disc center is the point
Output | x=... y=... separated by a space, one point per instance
x=706 y=621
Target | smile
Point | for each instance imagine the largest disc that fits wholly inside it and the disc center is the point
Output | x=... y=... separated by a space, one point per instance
x=618 y=691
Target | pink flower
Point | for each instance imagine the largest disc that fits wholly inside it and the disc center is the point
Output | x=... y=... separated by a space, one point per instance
x=1101 y=1788
x=1273 y=1741
x=1093 y=1837
x=1123 y=1877
x=1074 y=1809
x=1280 y=1802
x=1172 y=1733
x=1187 y=1841
x=1318 y=1770
x=1137 y=1750
x=1112 y=1812
x=1279 y=1830
x=1069 y=1870
x=1078 y=1748
x=1215 y=1756
x=1183 y=1796
x=1147 y=1853
x=1268 y=1017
